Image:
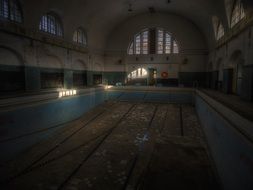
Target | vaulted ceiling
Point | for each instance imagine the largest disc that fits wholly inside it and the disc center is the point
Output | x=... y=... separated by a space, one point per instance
x=100 y=17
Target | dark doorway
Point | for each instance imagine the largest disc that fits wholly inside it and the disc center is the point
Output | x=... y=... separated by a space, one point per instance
x=80 y=78
x=12 y=79
x=152 y=76
x=228 y=81
x=51 y=79
x=97 y=79
x=215 y=80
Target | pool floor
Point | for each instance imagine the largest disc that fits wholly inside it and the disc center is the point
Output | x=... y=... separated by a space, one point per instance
x=119 y=145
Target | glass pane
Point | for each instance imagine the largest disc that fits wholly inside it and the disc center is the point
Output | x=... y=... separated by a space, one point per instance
x=80 y=37
x=237 y=14
x=75 y=36
x=144 y=72
x=134 y=74
x=4 y=9
x=43 y=23
x=160 y=44
x=175 y=47
x=242 y=12
x=59 y=29
x=131 y=49
x=138 y=44
x=220 y=31
x=9 y=9
x=51 y=25
x=168 y=44
x=15 y=13
x=145 y=42
x=139 y=73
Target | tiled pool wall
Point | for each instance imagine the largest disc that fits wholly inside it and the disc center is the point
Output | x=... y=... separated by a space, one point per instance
x=231 y=151
x=180 y=97
x=19 y=127
x=30 y=119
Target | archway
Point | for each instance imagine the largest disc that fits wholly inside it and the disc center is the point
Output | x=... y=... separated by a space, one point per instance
x=138 y=77
x=51 y=71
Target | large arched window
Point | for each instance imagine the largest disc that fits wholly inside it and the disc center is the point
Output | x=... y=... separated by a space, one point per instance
x=49 y=23
x=219 y=31
x=80 y=37
x=153 y=41
x=140 y=45
x=237 y=14
x=10 y=10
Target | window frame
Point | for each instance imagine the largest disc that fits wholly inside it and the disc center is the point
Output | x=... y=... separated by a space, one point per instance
x=170 y=50
x=80 y=32
x=145 y=41
x=137 y=47
x=44 y=25
x=12 y=12
x=130 y=48
x=236 y=17
x=220 y=31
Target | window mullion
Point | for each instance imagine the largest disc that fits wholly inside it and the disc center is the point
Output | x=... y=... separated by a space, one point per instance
x=134 y=49
x=172 y=45
x=164 y=42
x=140 y=43
x=78 y=36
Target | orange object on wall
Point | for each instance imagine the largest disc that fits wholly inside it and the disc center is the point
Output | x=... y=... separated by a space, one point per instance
x=165 y=75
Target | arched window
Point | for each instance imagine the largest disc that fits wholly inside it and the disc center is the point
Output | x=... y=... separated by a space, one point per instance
x=140 y=45
x=219 y=31
x=237 y=14
x=49 y=23
x=11 y=10
x=80 y=37
x=151 y=41
x=138 y=73
x=166 y=44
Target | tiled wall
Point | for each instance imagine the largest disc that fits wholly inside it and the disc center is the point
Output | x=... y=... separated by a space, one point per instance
x=231 y=151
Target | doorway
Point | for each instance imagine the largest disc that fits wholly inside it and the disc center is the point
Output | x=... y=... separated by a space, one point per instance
x=236 y=63
x=239 y=79
x=97 y=79
x=152 y=75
